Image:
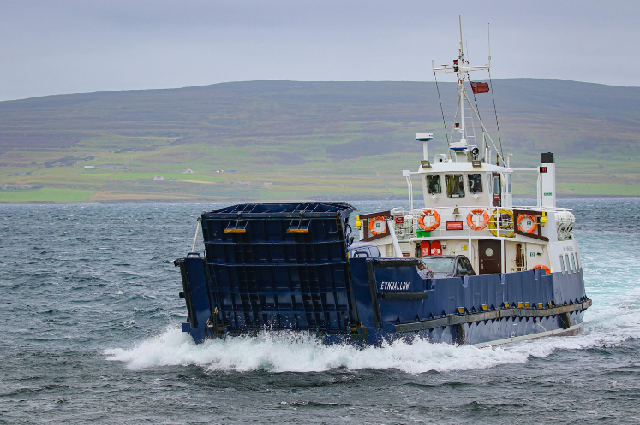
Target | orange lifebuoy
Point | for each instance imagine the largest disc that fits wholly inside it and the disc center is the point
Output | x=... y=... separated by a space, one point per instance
x=429 y=213
x=540 y=266
x=531 y=217
x=478 y=212
x=373 y=225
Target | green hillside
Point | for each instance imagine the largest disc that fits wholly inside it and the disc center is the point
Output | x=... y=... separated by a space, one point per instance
x=278 y=140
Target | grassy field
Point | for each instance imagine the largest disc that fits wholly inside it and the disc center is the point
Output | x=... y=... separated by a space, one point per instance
x=48 y=195
x=292 y=140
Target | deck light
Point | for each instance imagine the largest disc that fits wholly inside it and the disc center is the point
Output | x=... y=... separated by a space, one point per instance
x=234 y=230
x=301 y=230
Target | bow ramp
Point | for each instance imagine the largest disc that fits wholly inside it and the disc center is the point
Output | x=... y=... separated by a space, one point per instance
x=270 y=266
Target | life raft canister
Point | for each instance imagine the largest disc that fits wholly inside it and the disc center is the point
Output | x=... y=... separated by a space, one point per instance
x=478 y=213
x=530 y=223
x=377 y=225
x=426 y=214
x=543 y=267
x=507 y=229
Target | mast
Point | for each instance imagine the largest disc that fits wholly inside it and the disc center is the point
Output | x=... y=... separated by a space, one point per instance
x=460 y=63
x=462 y=68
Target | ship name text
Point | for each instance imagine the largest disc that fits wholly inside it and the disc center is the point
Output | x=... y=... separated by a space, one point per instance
x=394 y=286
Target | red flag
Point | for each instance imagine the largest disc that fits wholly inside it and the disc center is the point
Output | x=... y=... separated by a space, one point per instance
x=479 y=87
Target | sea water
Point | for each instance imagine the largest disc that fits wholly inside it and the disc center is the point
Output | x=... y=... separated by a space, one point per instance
x=90 y=332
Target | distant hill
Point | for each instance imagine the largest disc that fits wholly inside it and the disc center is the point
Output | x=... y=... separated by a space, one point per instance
x=305 y=140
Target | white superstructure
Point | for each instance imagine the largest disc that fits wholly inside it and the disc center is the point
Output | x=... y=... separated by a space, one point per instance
x=468 y=205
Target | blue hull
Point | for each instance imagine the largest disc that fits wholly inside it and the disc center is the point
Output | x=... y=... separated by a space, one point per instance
x=389 y=301
x=386 y=313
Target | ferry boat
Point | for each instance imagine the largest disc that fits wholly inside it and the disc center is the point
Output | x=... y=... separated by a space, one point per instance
x=469 y=267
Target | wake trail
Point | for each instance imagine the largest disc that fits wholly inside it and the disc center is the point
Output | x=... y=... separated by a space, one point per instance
x=605 y=325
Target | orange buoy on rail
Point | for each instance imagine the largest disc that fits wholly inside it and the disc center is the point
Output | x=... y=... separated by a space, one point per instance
x=543 y=267
x=530 y=222
x=430 y=216
x=377 y=225
x=472 y=219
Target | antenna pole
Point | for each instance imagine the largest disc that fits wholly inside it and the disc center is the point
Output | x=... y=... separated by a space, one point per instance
x=460 y=25
x=488 y=45
x=461 y=74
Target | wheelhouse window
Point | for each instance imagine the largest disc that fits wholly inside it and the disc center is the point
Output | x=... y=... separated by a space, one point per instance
x=564 y=269
x=475 y=183
x=496 y=184
x=455 y=185
x=573 y=263
x=566 y=259
x=433 y=184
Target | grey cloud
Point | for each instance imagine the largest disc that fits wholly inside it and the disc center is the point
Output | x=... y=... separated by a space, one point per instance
x=78 y=46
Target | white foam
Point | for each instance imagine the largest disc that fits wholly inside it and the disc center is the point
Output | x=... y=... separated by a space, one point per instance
x=611 y=320
x=284 y=352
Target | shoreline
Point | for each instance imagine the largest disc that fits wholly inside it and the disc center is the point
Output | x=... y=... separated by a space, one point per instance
x=244 y=200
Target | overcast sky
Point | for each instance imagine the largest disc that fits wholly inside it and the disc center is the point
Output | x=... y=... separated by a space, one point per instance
x=65 y=46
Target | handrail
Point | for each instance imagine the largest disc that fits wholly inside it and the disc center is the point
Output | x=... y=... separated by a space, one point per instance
x=407 y=230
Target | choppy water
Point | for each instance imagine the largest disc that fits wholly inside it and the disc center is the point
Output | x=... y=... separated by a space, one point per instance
x=90 y=333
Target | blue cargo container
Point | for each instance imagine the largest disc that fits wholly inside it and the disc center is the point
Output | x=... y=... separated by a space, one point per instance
x=271 y=266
